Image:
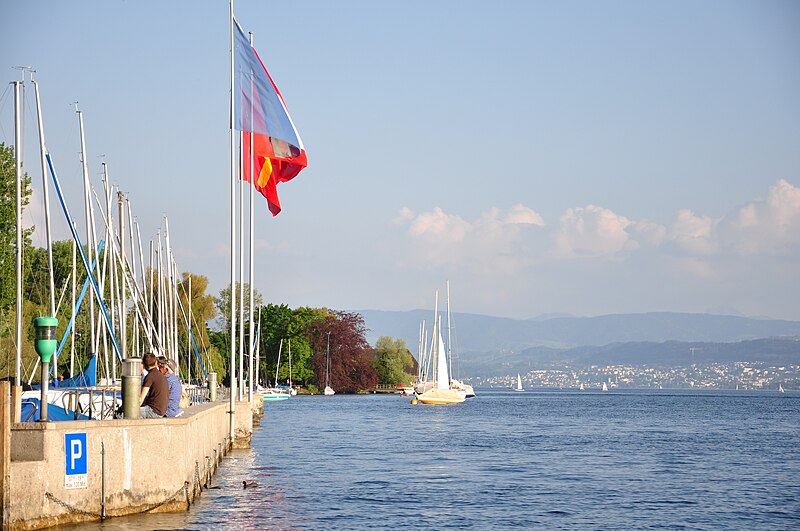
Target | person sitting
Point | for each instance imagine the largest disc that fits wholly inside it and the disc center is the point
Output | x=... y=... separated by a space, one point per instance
x=167 y=368
x=154 y=398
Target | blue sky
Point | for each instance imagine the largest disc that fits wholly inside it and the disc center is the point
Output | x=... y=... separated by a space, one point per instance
x=579 y=157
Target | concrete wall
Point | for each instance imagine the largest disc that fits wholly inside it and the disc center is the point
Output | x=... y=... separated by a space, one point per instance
x=148 y=463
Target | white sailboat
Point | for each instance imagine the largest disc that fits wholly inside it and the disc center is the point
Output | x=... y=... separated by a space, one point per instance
x=456 y=384
x=581 y=388
x=274 y=393
x=780 y=388
x=605 y=387
x=519 y=383
x=328 y=391
x=441 y=393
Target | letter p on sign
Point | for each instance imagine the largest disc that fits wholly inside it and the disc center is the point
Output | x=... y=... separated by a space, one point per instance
x=75 y=449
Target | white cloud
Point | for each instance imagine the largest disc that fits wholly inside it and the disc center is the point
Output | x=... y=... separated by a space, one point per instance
x=692 y=233
x=591 y=232
x=765 y=226
x=492 y=243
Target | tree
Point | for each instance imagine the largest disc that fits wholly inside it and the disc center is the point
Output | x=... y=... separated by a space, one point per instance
x=8 y=226
x=351 y=370
x=223 y=303
x=279 y=322
x=393 y=361
x=8 y=261
x=202 y=310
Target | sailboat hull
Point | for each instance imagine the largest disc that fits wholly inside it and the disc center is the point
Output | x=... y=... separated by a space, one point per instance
x=442 y=397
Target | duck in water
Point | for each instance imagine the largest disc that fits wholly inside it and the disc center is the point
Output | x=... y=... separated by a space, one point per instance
x=249 y=484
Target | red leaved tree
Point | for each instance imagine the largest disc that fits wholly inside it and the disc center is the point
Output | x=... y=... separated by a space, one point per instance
x=351 y=370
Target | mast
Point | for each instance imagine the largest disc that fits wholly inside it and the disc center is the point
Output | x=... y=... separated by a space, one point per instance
x=278 y=364
x=72 y=328
x=232 y=108
x=123 y=332
x=89 y=236
x=449 y=341
x=328 y=362
x=46 y=189
x=18 y=170
x=189 y=333
x=161 y=342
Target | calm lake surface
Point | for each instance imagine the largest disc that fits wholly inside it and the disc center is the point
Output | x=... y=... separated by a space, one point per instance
x=531 y=460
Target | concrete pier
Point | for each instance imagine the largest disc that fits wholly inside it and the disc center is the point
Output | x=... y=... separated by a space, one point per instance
x=55 y=473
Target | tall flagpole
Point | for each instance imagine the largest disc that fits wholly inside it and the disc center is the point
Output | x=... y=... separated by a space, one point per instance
x=232 y=365
x=241 y=278
x=250 y=373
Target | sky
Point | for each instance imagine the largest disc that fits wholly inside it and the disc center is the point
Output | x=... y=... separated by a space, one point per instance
x=580 y=157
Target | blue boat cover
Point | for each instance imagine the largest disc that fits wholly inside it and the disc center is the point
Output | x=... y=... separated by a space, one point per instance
x=86 y=378
x=31 y=412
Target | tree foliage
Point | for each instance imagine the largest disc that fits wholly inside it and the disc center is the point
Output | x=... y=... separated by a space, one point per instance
x=350 y=368
x=393 y=361
x=223 y=303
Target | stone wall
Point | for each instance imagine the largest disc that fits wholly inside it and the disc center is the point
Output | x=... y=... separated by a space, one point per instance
x=131 y=465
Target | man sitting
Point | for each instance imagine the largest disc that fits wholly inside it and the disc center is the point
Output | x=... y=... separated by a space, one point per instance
x=154 y=397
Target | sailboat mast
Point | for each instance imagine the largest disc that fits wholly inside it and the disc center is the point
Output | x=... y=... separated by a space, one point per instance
x=278 y=364
x=18 y=170
x=123 y=329
x=449 y=341
x=90 y=244
x=72 y=314
x=46 y=189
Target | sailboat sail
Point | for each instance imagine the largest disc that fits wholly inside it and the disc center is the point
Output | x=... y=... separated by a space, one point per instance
x=442 y=379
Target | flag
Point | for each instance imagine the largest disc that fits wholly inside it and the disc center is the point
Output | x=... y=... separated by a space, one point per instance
x=278 y=154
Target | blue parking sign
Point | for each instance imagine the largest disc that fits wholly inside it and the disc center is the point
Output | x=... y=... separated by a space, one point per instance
x=75 y=453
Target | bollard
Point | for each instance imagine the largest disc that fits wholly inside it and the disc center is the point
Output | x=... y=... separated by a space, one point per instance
x=212 y=387
x=131 y=387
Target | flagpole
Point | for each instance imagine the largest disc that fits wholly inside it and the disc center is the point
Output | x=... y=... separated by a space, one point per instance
x=252 y=185
x=232 y=364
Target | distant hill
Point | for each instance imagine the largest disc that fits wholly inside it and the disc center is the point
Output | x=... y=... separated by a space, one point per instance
x=484 y=342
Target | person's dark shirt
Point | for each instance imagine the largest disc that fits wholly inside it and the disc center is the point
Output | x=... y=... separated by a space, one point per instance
x=158 y=396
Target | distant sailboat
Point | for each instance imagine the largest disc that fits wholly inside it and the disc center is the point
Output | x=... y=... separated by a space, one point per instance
x=581 y=388
x=605 y=387
x=328 y=389
x=519 y=383
x=780 y=388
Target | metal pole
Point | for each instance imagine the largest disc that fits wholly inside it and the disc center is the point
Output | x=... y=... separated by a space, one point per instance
x=18 y=170
x=102 y=480
x=46 y=189
x=232 y=365
x=123 y=329
x=89 y=238
x=189 y=333
x=250 y=374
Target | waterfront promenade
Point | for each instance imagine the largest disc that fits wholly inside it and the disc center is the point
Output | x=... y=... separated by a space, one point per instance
x=54 y=473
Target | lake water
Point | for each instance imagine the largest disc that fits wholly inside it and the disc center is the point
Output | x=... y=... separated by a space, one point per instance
x=532 y=460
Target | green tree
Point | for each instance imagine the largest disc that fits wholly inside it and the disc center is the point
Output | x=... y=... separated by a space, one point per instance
x=279 y=322
x=223 y=303
x=8 y=268
x=202 y=311
x=393 y=361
